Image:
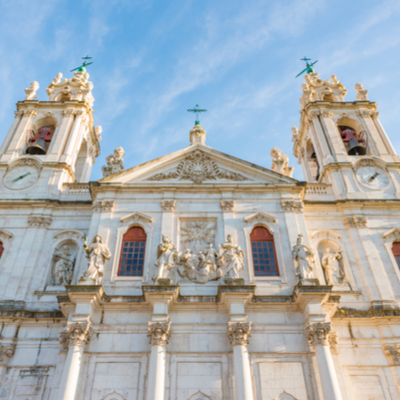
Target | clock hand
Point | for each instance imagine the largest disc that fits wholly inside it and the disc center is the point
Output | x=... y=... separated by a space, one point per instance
x=373 y=176
x=20 y=177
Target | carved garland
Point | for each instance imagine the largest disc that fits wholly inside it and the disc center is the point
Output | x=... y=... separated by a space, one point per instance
x=198 y=168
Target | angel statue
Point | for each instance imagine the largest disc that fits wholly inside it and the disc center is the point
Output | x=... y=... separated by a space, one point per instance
x=304 y=259
x=331 y=263
x=232 y=257
x=166 y=258
x=97 y=253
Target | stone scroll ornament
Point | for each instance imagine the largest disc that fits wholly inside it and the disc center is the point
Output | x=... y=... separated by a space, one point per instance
x=97 y=253
x=304 y=259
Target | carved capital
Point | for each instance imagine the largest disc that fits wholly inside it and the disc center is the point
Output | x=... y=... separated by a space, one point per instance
x=239 y=333
x=168 y=205
x=327 y=114
x=228 y=205
x=103 y=205
x=318 y=334
x=392 y=352
x=364 y=113
x=6 y=352
x=159 y=333
x=39 y=222
x=292 y=205
x=356 y=222
x=68 y=112
x=18 y=114
x=312 y=116
x=76 y=334
x=30 y=113
x=79 y=113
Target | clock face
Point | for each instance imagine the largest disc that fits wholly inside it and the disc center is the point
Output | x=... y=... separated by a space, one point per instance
x=21 y=177
x=373 y=178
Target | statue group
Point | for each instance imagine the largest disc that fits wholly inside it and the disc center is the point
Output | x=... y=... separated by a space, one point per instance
x=224 y=261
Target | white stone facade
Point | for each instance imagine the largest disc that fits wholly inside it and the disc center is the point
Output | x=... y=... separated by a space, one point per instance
x=198 y=321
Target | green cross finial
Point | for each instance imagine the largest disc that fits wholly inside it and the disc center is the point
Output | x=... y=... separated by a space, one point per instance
x=85 y=64
x=309 y=69
x=196 y=110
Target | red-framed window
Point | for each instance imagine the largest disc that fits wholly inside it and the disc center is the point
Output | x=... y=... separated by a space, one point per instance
x=1 y=249
x=264 y=254
x=396 y=252
x=133 y=249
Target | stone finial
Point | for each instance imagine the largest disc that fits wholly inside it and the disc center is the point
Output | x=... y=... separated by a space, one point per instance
x=98 y=131
x=76 y=334
x=76 y=88
x=239 y=333
x=362 y=94
x=31 y=92
x=159 y=333
x=280 y=162
x=318 y=334
x=197 y=135
x=295 y=134
x=115 y=162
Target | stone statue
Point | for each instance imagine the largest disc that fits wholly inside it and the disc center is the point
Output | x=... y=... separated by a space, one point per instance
x=63 y=266
x=98 y=131
x=31 y=92
x=304 y=259
x=97 y=253
x=232 y=256
x=362 y=94
x=166 y=258
x=280 y=162
x=332 y=267
x=115 y=162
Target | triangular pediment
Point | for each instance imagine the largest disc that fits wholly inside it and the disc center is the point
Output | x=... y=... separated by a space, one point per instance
x=199 y=165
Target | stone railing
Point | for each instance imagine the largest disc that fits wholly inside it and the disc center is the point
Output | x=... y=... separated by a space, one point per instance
x=319 y=191
x=76 y=189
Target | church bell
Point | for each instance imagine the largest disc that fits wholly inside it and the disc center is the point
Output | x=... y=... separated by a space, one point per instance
x=356 y=148
x=38 y=145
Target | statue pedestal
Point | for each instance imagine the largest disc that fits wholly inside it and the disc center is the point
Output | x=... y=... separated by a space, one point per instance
x=88 y=282
x=309 y=282
x=163 y=282
x=55 y=288
x=234 y=281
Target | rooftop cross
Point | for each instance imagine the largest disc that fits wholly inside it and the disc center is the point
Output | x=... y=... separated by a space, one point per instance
x=309 y=67
x=196 y=110
x=85 y=64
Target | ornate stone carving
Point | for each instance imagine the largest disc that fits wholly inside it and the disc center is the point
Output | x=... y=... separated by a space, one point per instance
x=18 y=114
x=304 y=259
x=97 y=253
x=39 y=221
x=69 y=112
x=115 y=162
x=76 y=88
x=280 y=162
x=31 y=92
x=362 y=94
x=292 y=205
x=232 y=258
x=356 y=222
x=333 y=269
x=168 y=205
x=63 y=265
x=198 y=167
x=228 y=205
x=197 y=135
x=318 y=334
x=326 y=114
x=239 y=333
x=295 y=134
x=98 y=131
x=6 y=352
x=159 y=333
x=364 y=113
x=197 y=235
x=76 y=334
x=167 y=258
x=30 y=113
x=392 y=352
x=103 y=205
x=333 y=340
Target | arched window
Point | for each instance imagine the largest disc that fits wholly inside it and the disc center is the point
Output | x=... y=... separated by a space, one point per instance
x=396 y=252
x=264 y=255
x=132 y=252
x=1 y=249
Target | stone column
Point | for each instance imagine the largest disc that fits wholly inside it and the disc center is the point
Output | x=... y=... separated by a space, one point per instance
x=238 y=335
x=76 y=336
x=11 y=131
x=68 y=155
x=318 y=337
x=159 y=333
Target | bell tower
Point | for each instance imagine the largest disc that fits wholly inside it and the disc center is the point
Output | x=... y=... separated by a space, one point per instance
x=55 y=137
x=343 y=142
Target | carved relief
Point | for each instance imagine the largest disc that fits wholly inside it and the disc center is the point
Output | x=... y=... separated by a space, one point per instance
x=228 y=205
x=292 y=205
x=364 y=113
x=280 y=162
x=63 y=264
x=239 y=333
x=392 y=352
x=115 y=162
x=197 y=235
x=295 y=134
x=103 y=205
x=6 y=352
x=76 y=334
x=30 y=113
x=69 y=112
x=159 y=333
x=168 y=205
x=356 y=222
x=39 y=221
x=31 y=92
x=198 y=167
x=318 y=334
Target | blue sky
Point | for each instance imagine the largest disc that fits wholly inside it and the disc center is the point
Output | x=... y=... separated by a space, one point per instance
x=155 y=59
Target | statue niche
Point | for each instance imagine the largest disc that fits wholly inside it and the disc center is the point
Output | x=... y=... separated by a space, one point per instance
x=332 y=262
x=63 y=264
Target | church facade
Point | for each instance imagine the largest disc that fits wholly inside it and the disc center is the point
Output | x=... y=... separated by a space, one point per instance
x=198 y=275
